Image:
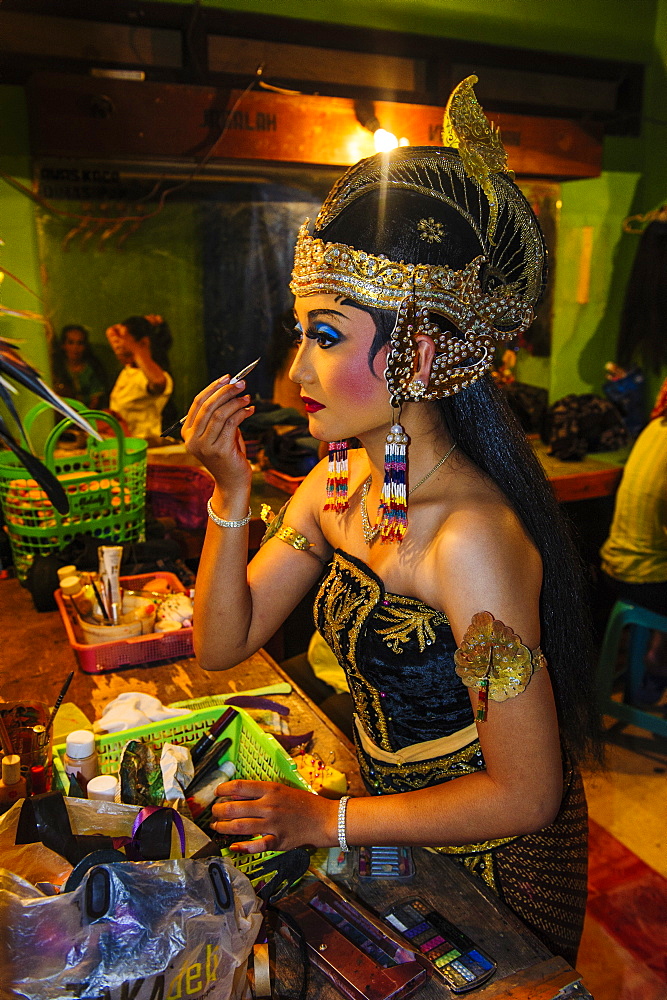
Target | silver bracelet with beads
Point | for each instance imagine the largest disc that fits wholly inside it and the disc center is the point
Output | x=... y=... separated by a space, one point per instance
x=342 y=810
x=220 y=521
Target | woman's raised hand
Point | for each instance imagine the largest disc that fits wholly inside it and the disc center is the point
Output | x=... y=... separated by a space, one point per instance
x=211 y=432
x=284 y=817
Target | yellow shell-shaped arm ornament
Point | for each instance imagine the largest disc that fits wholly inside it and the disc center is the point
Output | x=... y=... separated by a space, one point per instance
x=466 y=128
x=492 y=659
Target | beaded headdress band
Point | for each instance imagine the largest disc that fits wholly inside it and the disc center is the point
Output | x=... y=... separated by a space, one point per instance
x=485 y=303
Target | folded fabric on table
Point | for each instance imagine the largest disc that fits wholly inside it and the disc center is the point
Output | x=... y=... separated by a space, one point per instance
x=133 y=708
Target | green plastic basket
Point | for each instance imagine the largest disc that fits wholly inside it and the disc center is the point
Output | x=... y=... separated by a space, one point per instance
x=256 y=754
x=105 y=486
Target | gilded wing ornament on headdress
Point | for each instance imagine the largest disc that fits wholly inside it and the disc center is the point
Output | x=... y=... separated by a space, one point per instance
x=466 y=128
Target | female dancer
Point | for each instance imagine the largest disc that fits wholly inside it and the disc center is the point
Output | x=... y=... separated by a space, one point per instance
x=423 y=261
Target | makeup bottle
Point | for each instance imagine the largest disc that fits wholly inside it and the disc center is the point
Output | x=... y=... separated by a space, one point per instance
x=66 y=571
x=75 y=596
x=12 y=785
x=103 y=788
x=39 y=781
x=80 y=760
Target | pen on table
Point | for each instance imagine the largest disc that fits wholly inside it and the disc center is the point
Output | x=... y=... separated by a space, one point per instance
x=237 y=378
x=59 y=701
x=208 y=739
x=207 y=764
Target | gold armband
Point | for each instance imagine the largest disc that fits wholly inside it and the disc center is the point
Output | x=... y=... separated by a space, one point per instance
x=492 y=659
x=275 y=529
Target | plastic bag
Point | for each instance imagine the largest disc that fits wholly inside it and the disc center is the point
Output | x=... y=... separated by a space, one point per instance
x=179 y=929
x=157 y=930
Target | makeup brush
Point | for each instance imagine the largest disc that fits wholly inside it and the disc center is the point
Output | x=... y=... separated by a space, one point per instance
x=59 y=701
x=98 y=598
x=170 y=431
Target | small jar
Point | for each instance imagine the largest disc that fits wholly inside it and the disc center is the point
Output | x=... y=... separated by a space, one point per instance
x=71 y=588
x=12 y=785
x=80 y=759
x=66 y=571
x=39 y=779
x=103 y=788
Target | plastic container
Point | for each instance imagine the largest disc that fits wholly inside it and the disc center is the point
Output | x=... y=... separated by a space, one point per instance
x=156 y=646
x=12 y=785
x=80 y=760
x=105 y=486
x=256 y=754
x=72 y=588
x=102 y=788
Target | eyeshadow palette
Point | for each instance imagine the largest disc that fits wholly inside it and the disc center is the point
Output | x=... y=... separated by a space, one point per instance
x=452 y=954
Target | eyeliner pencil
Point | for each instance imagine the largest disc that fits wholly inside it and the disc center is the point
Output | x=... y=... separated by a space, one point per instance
x=201 y=747
x=170 y=431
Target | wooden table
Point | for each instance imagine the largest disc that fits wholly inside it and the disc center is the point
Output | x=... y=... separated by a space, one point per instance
x=35 y=657
x=592 y=477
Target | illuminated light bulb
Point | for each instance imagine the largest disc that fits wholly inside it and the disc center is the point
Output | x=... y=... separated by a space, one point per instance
x=384 y=141
x=403 y=141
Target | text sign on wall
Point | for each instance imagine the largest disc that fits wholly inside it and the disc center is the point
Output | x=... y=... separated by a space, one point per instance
x=98 y=119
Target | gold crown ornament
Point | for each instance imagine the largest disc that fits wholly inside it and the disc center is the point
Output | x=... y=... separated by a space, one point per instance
x=443 y=196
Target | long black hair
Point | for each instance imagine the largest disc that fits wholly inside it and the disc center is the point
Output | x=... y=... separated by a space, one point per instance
x=159 y=334
x=420 y=206
x=484 y=427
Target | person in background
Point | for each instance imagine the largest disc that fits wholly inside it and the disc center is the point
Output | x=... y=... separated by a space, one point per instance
x=634 y=556
x=77 y=373
x=143 y=388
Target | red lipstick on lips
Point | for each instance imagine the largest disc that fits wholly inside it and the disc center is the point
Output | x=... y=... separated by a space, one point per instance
x=312 y=406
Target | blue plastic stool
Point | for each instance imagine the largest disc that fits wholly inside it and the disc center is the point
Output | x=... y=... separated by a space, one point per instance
x=642 y=623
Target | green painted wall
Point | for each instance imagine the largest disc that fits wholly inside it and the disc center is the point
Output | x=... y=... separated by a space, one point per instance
x=18 y=250
x=589 y=299
x=157 y=270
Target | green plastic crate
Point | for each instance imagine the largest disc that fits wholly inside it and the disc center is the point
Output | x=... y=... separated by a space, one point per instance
x=256 y=754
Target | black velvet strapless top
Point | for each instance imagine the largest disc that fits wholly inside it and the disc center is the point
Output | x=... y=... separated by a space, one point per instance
x=398 y=655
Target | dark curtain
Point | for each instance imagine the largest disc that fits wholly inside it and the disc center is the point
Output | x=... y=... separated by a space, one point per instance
x=249 y=232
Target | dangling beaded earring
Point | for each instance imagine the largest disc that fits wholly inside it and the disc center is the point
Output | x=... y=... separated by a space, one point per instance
x=394 y=496
x=337 y=479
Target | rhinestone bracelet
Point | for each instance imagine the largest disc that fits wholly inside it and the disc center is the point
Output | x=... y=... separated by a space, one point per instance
x=342 y=810
x=220 y=521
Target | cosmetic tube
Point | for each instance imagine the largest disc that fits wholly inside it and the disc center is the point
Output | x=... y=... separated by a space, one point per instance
x=109 y=557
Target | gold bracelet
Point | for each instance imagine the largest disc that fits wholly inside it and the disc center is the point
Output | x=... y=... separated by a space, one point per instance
x=284 y=533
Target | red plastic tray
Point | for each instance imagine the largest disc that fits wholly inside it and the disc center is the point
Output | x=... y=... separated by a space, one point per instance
x=105 y=656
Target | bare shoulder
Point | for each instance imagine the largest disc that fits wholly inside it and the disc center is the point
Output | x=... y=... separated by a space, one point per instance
x=486 y=561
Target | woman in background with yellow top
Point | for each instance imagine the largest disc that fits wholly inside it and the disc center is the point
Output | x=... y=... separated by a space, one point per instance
x=634 y=556
x=143 y=388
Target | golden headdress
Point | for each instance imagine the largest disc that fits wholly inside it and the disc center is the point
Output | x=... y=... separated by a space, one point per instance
x=443 y=237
